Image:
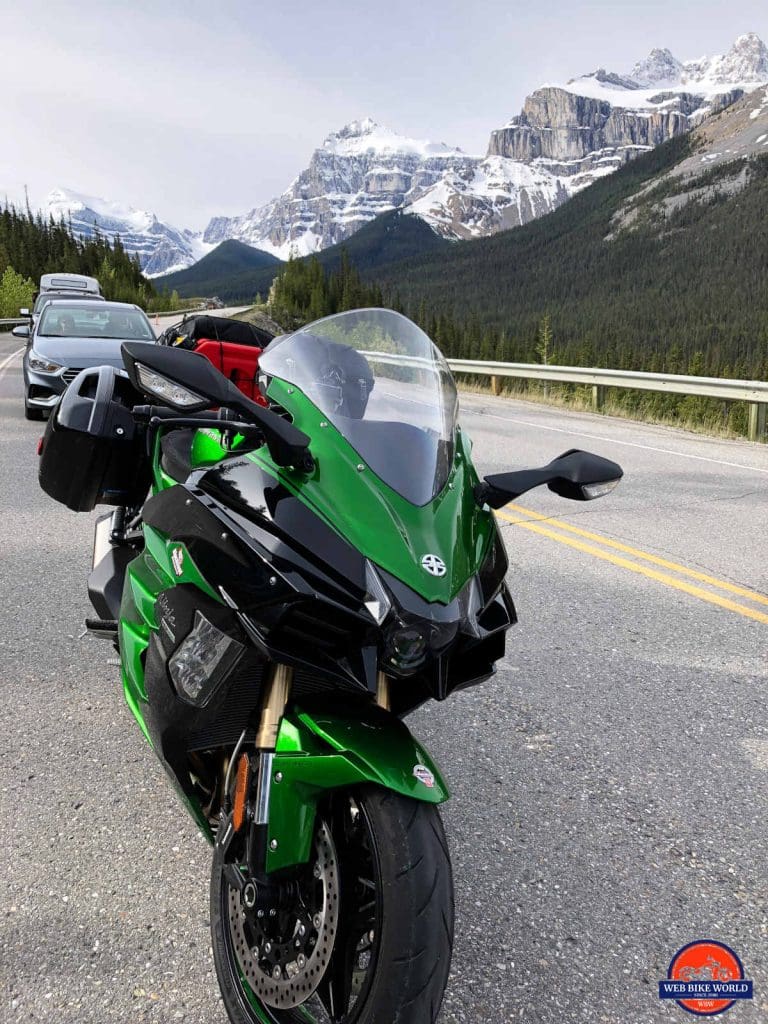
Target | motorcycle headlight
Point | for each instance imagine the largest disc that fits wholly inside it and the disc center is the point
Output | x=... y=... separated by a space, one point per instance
x=410 y=640
x=40 y=364
x=202 y=661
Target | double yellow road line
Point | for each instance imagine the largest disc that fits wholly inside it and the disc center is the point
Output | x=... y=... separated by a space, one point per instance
x=640 y=562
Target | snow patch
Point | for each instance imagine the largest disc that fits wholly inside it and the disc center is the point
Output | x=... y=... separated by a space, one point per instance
x=367 y=136
x=744 y=67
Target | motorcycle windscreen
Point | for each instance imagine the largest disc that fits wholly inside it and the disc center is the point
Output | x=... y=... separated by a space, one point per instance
x=386 y=388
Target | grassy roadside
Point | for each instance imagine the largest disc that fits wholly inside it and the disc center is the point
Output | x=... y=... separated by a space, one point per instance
x=707 y=416
x=718 y=419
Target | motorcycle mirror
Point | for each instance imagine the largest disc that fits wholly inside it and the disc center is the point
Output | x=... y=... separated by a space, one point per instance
x=184 y=380
x=584 y=476
x=188 y=382
x=578 y=475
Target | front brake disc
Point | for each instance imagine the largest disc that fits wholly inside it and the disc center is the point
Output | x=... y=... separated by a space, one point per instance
x=283 y=954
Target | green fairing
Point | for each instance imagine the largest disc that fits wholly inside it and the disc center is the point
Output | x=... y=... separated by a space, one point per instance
x=146 y=577
x=207 y=448
x=374 y=518
x=319 y=752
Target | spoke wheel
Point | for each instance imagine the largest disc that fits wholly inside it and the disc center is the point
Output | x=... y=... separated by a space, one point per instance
x=366 y=935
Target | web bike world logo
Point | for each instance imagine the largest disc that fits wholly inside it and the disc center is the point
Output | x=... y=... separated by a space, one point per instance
x=705 y=978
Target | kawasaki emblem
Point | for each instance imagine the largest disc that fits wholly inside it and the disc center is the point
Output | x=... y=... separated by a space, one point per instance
x=433 y=565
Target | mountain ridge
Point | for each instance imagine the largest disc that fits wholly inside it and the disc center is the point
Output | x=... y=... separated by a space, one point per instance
x=161 y=248
x=390 y=238
x=659 y=267
x=566 y=137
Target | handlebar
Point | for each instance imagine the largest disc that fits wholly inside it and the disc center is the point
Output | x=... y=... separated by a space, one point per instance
x=145 y=413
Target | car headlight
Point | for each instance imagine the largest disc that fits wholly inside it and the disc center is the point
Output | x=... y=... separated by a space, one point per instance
x=42 y=365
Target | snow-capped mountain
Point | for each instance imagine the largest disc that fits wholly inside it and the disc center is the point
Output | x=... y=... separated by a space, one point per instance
x=359 y=172
x=162 y=248
x=565 y=137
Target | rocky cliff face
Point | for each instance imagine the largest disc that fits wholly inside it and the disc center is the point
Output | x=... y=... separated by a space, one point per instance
x=575 y=131
x=358 y=173
x=565 y=137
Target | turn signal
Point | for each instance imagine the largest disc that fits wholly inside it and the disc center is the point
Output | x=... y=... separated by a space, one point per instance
x=241 y=792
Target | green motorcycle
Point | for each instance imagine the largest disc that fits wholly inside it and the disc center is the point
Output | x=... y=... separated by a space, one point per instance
x=303 y=574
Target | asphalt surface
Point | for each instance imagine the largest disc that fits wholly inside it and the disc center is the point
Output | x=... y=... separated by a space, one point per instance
x=609 y=785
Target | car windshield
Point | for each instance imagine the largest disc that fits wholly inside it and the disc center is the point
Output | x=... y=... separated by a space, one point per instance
x=94 y=320
x=386 y=388
x=44 y=297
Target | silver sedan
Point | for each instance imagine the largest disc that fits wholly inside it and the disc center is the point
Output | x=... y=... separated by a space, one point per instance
x=70 y=335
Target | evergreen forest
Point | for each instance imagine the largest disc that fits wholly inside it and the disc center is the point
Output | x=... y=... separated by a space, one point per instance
x=31 y=246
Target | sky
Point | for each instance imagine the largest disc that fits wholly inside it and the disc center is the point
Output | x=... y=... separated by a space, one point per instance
x=194 y=109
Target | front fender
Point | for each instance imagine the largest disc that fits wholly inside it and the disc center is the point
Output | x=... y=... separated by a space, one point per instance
x=318 y=751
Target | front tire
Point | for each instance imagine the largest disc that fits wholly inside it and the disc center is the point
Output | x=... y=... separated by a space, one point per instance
x=394 y=933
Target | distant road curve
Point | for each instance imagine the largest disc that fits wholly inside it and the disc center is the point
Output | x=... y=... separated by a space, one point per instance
x=160 y=322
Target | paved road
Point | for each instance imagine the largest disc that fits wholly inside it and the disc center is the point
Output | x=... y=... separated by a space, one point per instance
x=160 y=322
x=610 y=785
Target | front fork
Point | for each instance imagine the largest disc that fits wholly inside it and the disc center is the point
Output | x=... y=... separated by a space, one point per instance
x=276 y=697
x=244 y=809
x=299 y=756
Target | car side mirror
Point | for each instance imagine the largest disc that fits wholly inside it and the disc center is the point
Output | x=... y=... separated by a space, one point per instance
x=580 y=476
x=20 y=331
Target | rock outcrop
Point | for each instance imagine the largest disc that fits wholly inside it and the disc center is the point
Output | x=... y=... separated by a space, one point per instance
x=358 y=173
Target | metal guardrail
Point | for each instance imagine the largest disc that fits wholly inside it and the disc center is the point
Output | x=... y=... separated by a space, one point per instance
x=754 y=392
x=15 y=322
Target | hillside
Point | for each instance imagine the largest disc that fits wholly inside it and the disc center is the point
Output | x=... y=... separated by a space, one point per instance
x=662 y=260
x=33 y=245
x=391 y=238
x=233 y=270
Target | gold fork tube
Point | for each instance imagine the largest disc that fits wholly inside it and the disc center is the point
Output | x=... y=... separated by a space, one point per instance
x=275 y=698
x=382 y=691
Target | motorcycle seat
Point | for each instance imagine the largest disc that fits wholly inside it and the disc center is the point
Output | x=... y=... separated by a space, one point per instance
x=176 y=454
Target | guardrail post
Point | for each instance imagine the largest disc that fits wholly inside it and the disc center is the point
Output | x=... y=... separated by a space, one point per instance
x=598 y=396
x=757 y=421
x=495 y=385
